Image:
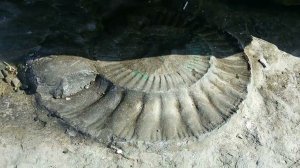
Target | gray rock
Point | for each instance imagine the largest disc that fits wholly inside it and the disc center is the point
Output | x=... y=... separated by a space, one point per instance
x=58 y=79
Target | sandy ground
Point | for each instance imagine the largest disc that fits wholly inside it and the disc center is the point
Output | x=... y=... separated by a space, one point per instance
x=265 y=132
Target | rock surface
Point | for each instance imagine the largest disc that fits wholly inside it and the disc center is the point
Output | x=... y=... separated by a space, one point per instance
x=61 y=78
x=263 y=133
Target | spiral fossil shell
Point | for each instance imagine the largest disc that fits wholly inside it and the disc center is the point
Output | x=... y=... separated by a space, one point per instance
x=134 y=92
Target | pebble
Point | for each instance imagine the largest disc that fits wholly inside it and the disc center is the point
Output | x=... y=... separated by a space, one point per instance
x=66 y=150
x=71 y=132
x=119 y=151
x=87 y=86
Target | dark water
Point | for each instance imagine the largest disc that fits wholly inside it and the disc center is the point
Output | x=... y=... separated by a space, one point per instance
x=275 y=23
x=35 y=28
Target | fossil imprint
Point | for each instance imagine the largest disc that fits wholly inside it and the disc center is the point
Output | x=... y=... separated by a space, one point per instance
x=162 y=81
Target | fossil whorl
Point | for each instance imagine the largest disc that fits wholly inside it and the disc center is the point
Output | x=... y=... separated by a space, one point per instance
x=189 y=88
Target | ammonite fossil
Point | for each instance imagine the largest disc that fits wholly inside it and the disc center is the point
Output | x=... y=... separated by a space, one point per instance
x=156 y=77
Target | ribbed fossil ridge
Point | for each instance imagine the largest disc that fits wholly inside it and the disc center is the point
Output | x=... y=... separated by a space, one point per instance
x=166 y=107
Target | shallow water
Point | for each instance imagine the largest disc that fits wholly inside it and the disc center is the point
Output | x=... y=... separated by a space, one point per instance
x=35 y=28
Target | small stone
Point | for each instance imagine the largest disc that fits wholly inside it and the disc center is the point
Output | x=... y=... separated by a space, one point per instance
x=71 y=132
x=68 y=98
x=87 y=86
x=119 y=151
x=16 y=83
x=65 y=150
x=116 y=149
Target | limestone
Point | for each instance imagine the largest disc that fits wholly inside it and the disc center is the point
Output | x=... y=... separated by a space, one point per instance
x=263 y=133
